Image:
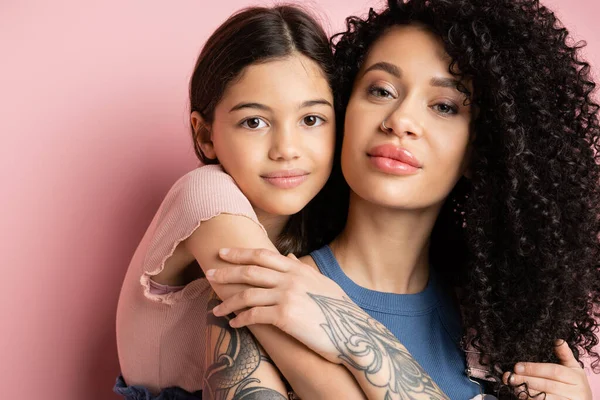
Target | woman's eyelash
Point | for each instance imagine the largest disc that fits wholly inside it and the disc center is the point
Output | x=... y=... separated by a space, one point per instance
x=381 y=92
x=442 y=108
x=449 y=108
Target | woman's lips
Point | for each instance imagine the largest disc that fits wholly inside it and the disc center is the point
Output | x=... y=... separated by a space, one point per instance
x=286 y=179
x=394 y=160
x=391 y=166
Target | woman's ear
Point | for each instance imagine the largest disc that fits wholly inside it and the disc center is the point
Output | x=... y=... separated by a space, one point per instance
x=203 y=134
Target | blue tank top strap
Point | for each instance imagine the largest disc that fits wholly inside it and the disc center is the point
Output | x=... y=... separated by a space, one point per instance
x=427 y=323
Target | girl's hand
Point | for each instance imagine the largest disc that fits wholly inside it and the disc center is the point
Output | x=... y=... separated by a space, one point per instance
x=564 y=381
x=280 y=296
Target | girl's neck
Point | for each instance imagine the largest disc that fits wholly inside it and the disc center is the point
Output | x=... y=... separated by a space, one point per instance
x=386 y=249
x=273 y=223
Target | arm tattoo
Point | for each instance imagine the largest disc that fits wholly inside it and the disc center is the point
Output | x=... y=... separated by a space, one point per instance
x=235 y=357
x=366 y=345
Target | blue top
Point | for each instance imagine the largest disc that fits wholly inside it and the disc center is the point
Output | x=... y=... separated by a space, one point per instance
x=426 y=323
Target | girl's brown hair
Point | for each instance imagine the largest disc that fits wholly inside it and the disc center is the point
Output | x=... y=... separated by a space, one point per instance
x=257 y=35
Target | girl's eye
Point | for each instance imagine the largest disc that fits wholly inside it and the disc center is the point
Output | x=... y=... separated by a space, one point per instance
x=444 y=108
x=312 y=120
x=380 y=92
x=253 y=123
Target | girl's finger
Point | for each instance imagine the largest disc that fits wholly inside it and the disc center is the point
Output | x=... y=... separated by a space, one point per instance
x=565 y=355
x=535 y=384
x=268 y=315
x=262 y=257
x=248 y=298
x=252 y=275
x=555 y=372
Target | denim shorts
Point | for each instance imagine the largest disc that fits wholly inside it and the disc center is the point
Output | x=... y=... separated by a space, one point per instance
x=142 y=393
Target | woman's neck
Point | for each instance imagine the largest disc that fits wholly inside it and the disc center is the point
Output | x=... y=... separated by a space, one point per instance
x=386 y=249
x=273 y=223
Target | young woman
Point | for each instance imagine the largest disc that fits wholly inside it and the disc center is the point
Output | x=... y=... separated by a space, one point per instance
x=471 y=152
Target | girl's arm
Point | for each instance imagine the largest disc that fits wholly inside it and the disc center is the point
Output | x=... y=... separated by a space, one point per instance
x=311 y=376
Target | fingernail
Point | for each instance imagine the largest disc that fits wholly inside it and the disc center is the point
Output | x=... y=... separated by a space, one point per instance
x=519 y=368
x=511 y=378
x=224 y=251
x=210 y=273
x=215 y=310
x=233 y=323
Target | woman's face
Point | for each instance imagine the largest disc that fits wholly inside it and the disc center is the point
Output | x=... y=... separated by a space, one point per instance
x=417 y=158
x=274 y=133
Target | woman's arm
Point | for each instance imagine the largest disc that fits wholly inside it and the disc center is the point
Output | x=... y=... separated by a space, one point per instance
x=235 y=364
x=380 y=363
x=312 y=308
x=311 y=376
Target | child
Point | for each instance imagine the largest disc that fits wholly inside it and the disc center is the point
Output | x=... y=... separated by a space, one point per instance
x=263 y=123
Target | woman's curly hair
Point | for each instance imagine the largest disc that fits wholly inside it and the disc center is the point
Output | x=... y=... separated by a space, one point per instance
x=528 y=258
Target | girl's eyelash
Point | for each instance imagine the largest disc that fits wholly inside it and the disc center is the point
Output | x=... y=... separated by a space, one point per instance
x=318 y=117
x=244 y=123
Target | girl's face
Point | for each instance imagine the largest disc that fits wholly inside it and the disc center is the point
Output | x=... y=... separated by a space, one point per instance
x=274 y=133
x=417 y=160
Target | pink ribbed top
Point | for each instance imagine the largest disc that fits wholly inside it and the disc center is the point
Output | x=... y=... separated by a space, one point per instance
x=161 y=336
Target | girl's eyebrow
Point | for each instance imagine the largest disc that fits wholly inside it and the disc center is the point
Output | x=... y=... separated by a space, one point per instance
x=258 y=106
x=310 y=103
x=263 y=107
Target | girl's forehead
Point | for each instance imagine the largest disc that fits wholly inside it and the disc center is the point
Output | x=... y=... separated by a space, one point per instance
x=279 y=83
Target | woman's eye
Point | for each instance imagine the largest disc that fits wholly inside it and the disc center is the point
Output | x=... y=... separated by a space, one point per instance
x=378 y=91
x=312 y=120
x=444 y=108
x=253 y=123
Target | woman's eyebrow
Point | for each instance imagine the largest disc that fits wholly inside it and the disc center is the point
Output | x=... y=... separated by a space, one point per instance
x=444 y=82
x=397 y=72
x=386 y=67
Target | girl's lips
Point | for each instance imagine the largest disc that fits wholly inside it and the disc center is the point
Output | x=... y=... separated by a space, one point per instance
x=286 y=179
x=287 y=182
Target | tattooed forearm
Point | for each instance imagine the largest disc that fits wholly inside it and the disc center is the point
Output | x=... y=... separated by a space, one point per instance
x=233 y=357
x=367 y=347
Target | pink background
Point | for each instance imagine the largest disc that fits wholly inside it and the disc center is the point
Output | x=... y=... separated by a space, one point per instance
x=93 y=115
